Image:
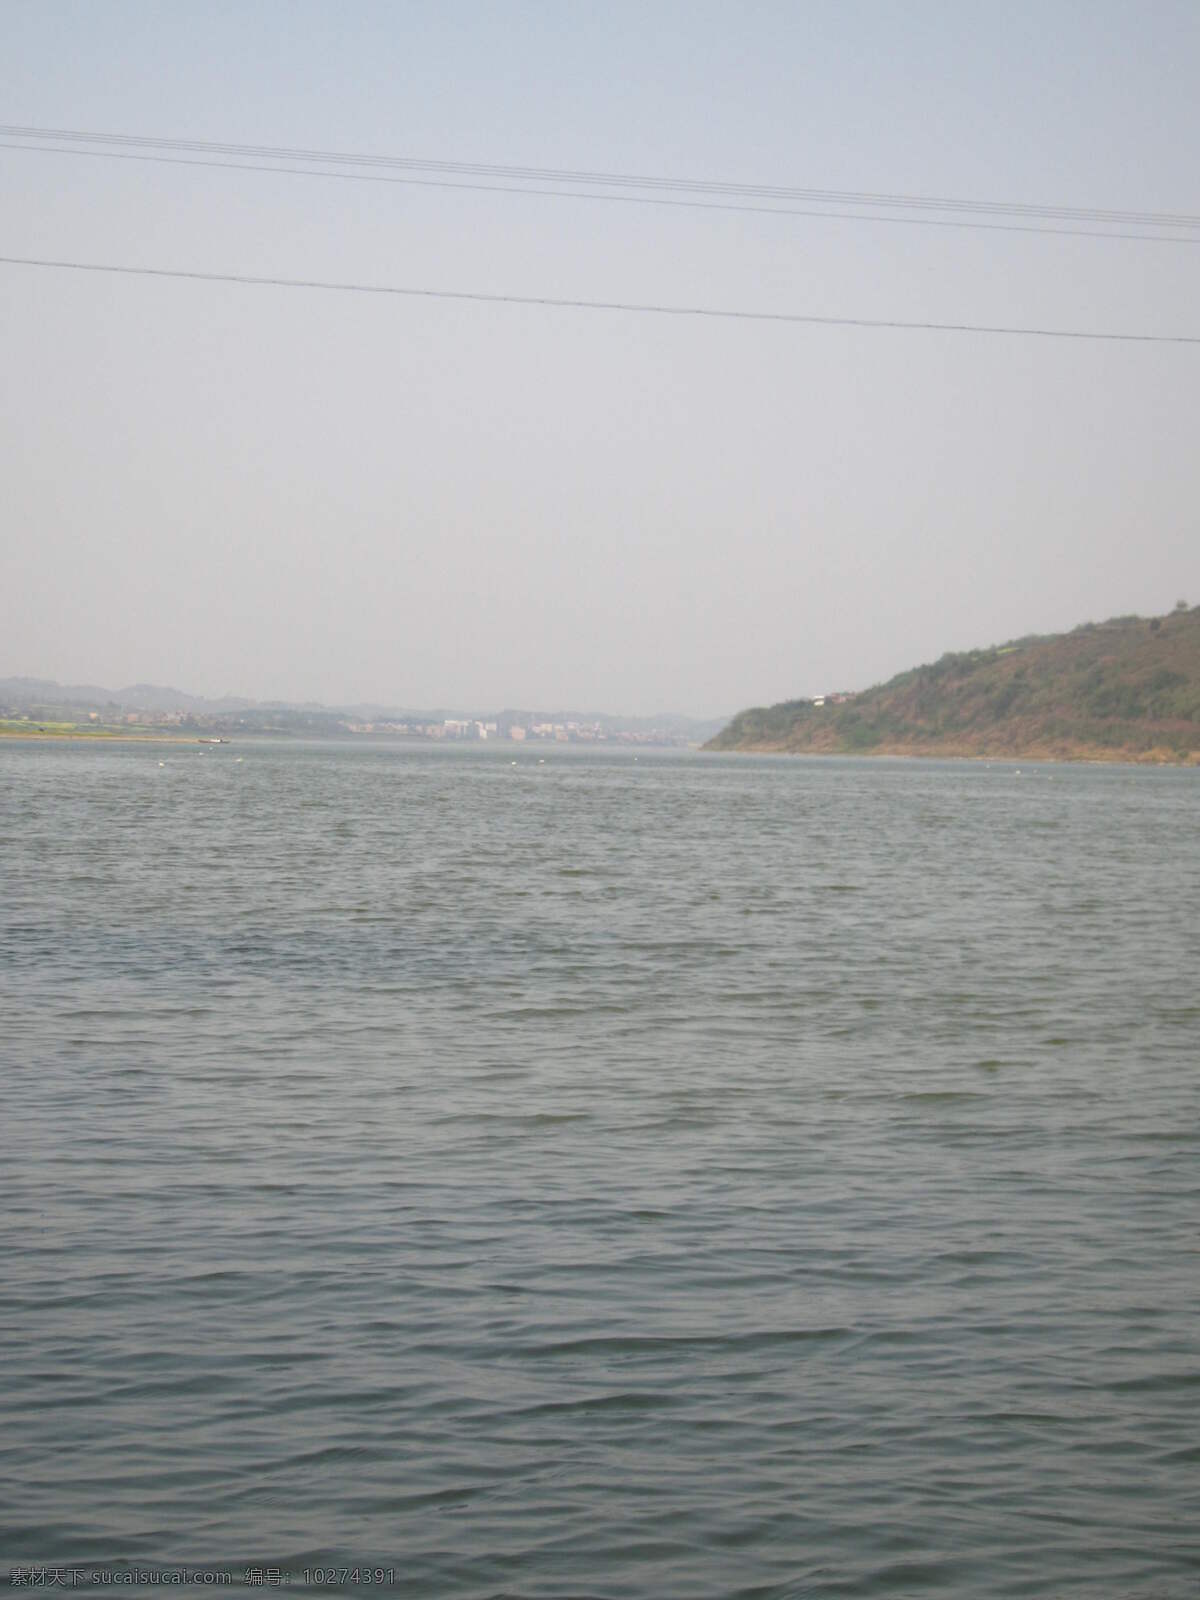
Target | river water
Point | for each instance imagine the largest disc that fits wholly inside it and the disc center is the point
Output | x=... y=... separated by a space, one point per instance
x=690 y=1177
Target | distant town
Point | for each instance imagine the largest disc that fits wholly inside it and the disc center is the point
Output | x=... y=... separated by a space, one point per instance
x=40 y=705
x=469 y=728
x=569 y=732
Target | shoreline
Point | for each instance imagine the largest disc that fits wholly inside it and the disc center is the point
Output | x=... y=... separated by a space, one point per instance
x=1157 y=756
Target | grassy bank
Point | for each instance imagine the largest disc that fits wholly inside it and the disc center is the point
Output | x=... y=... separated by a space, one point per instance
x=25 y=728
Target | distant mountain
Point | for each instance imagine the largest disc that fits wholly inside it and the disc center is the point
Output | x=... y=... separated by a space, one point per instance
x=43 y=691
x=1126 y=689
x=150 y=697
x=137 y=697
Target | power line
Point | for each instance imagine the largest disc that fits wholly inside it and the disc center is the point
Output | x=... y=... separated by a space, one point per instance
x=579 y=177
x=618 y=199
x=598 y=305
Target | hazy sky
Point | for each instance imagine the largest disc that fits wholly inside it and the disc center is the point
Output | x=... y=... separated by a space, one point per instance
x=294 y=493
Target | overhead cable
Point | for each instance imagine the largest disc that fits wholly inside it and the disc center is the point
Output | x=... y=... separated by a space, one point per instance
x=599 y=305
x=579 y=177
x=617 y=199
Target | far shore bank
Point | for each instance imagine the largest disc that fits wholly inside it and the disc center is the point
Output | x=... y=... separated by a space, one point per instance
x=1159 y=756
x=96 y=736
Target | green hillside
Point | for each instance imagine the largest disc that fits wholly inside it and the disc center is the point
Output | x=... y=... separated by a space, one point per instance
x=1127 y=689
